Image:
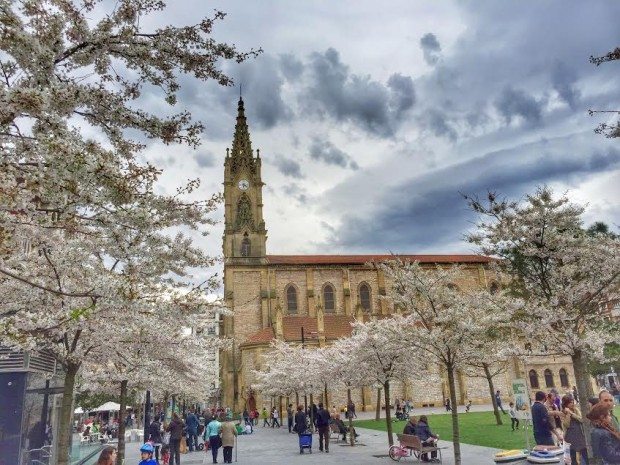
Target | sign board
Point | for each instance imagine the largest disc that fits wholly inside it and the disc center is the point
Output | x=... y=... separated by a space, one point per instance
x=522 y=398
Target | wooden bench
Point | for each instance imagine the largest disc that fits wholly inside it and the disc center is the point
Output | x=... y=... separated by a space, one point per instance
x=414 y=444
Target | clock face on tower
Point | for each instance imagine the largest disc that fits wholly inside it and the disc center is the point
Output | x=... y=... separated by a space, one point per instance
x=243 y=184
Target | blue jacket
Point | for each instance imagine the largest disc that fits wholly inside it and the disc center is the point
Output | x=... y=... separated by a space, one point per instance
x=540 y=419
x=605 y=446
x=148 y=462
x=192 y=423
x=423 y=431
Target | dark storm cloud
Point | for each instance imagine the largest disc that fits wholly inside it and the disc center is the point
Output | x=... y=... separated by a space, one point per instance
x=429 y=211
x=431 y=48
x=291 y=66
x=437 y=122
x=563 y=80
x=403 y=92
x=325 y=151
x=517 y=103
x=204 y=159
x=335 y=92
x=288 y=167
x=296 y=192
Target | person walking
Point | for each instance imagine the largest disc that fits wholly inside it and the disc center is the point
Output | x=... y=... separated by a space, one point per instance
x=447 y=405
x=275 y=415
x=541 y=423
x=229 y=431
x=191 y=422
x=289 y=417
x=605 y=437
x=572 y=425
x=212 y=432
x=351 y=409
x=175 y=428
x=265 y=416
x=428 y=438
x=155 y=436
x=498 y=401
x=606 y=399
x=514 y=421
x=321 y=420
x=301 y=421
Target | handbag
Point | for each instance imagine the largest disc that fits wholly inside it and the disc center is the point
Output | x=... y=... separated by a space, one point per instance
x=183 y=448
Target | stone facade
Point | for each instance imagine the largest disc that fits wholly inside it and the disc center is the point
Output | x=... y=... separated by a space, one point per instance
x=275 y=296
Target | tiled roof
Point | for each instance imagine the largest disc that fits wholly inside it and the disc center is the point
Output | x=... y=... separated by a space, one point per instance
x=362 y=259
x=336 y=326
x=264 y=336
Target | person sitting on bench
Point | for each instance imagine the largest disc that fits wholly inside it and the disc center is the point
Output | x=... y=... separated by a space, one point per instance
x=427 y=437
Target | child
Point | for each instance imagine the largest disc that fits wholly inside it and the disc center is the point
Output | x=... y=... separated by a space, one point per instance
x=146 y=454
x=165 y=454
x=514 y=421
x=468 y=406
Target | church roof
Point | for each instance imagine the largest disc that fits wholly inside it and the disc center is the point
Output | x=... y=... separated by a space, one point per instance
x=336 y=326
x=362 y=259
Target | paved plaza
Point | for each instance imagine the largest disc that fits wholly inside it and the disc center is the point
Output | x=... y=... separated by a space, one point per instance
x=278 y=447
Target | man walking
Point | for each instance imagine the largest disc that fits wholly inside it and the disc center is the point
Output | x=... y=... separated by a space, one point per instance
x=540 y=421
x=351 y=410
x=322 y=423
x=289 y=417
x=498 y=401
x=605 y=398
x=191 y=422
x=175 y=428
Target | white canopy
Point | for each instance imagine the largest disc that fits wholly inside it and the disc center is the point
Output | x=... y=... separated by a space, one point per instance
x=78 y=410
x=109 y=407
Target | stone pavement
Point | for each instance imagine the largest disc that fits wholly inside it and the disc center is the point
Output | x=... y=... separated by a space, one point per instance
x=278 y=447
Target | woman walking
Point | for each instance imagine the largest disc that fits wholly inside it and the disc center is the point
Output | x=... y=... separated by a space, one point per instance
x=573 y=430
x=175 y=428
x=213 y=431
x=275 y=415
x=228 y=440
x=155 y=436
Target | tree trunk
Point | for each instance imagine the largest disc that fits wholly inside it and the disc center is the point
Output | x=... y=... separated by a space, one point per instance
x=378 y=411
x=311 y=413
x=456 y=437
x=296 y=400
x=65 y=432
x=487 y=374
x=122 y=414
x=584 y=390
x=351 y=433
x=325 y=399
x=388 y=412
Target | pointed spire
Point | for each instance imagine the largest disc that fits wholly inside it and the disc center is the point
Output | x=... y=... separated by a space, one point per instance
x=242 y=145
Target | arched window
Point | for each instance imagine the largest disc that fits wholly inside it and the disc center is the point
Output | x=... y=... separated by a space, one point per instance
x=329 y=298
x=564 y=378
x=549 y=378
x=246 y=246
x=365 y=297
x=291 y=299
x=534 y=379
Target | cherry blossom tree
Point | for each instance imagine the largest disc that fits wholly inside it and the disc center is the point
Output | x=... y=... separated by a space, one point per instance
x=443 y=325
x=564 y=275
x=78 y=211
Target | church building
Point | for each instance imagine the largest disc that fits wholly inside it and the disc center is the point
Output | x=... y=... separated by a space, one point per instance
x=312 y=299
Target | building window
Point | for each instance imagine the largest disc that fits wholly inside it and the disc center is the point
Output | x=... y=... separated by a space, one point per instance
x=534 y=379
x=365 y=297
x=329 y=299
x=564 y=378
x=291 y=299
x=549 y=378
x=246 y=247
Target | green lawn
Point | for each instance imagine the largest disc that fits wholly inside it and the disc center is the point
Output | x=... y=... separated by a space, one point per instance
x=476 y=428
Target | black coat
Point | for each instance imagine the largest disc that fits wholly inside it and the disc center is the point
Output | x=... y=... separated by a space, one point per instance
x=300 y=422
x=155 y=432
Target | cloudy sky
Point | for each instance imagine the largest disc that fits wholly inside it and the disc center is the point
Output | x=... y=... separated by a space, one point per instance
x=371 y=119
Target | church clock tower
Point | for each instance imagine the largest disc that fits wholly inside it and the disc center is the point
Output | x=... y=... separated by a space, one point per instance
x=245 y=235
